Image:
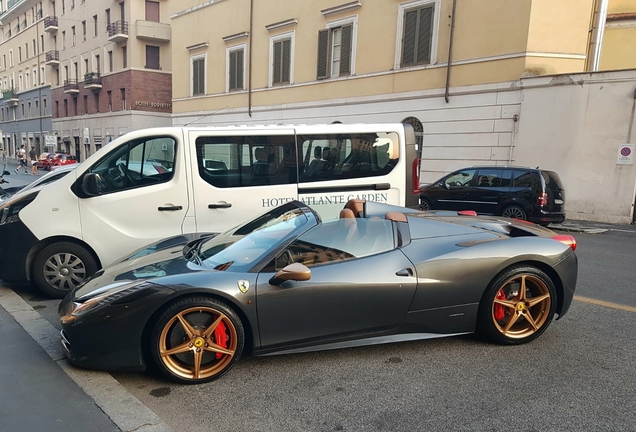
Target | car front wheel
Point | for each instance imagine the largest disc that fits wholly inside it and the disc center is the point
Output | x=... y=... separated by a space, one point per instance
x=196 y=340
x=61 y=267
x=518 y=306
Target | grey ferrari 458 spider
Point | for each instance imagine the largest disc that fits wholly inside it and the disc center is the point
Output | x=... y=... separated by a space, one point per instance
x=288 y=282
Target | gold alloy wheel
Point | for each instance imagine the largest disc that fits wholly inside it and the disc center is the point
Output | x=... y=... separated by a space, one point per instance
x=197 y=354
x=525 y=311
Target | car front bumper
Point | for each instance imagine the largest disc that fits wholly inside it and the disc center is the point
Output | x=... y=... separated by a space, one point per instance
x=112 y=337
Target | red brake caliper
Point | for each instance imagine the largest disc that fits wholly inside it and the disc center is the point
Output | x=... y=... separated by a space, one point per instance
x=220 y=337
x=500 y=312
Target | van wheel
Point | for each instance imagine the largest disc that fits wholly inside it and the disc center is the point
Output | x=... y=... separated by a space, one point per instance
x=425 y=204
x=514 y=212
x=61 y=267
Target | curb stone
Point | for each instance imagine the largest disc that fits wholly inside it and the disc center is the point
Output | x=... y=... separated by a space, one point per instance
x=124 y=409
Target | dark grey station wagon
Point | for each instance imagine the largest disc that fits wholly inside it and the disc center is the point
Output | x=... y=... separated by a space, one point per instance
x=523 y=193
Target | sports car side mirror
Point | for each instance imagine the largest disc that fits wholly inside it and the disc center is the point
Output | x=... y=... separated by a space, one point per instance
x=294 y=271
x=6 y=173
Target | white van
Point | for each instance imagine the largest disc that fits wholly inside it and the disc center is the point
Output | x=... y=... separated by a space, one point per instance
x=156 y=183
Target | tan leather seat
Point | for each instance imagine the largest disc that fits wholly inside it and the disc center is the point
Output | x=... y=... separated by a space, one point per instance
x=356 y=206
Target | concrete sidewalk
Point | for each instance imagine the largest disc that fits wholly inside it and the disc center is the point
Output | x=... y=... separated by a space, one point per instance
x=35 y=394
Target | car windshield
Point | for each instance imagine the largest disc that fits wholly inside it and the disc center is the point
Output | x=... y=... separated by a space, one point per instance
x=240 y=248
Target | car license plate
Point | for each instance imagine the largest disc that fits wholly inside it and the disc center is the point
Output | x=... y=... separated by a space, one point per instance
x=558 y=201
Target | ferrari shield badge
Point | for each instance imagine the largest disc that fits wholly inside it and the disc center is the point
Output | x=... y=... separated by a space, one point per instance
x=244 y=285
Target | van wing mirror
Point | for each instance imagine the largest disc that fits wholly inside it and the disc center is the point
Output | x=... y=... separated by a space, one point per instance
x=294 y=271
x=89 y=184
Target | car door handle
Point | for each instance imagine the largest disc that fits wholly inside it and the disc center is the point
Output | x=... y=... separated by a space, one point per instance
x=219 y=205
x=170 y=208
x=407 y=272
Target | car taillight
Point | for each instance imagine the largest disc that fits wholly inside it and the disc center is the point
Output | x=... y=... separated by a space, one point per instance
x=467 y=213
x=415 y=177
x=543 y=199
x=566 y=239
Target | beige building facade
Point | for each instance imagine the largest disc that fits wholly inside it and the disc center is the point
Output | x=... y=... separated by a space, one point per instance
x=619 y=39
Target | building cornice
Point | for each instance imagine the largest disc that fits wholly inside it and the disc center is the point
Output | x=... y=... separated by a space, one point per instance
x=197 y=46
x=195 y=8
x=235 y=36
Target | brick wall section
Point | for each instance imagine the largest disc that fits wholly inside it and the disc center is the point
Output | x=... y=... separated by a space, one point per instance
x=145 y=91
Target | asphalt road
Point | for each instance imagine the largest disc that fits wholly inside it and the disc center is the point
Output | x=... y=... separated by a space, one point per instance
x=577 y=376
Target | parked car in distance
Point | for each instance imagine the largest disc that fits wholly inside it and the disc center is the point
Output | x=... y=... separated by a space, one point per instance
x=61 y=159
x=378 y=274
x=531 y=194
x=40 y=162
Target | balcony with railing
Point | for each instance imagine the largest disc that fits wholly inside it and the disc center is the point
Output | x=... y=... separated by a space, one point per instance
x=118 y=31
x=93 y=81
x=52 y=58
x=10 y=97
x=71 y=86
x=50 y=24
x=153 y=31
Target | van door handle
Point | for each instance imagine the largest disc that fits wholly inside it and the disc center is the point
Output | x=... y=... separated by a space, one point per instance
x=219 y=205
x=407 y=272
x=170 y=208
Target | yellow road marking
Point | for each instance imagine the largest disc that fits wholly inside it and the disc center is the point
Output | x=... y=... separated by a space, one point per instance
x=606 y=304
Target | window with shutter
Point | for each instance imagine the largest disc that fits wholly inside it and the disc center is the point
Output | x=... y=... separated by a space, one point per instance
x=235 y=80
x=417 y=36
x=152 y=57
x=335 y=48
x=198 y=76
x=281 y=66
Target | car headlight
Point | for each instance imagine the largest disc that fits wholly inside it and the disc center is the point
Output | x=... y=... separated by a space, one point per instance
x=102 y=298
x=9 y=209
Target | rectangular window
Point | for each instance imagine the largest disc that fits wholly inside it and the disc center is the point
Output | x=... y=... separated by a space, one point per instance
x=84 y=31
x=95 y=25
x=41 y=43
x=85 y=104
x=417 y=36
x=11 y=58
x=333 y=157
x=107 y=18
x=57 y=109
x=97 y=103
x=335 y=51
x=123 y=99
x=124 y=55
x=152 y=57
x=98 y=64
x=65 y=107
x=236 y=69
x=63 y=7
x=35 y=47
x=44 y=107
x=111 y=66
x=73 y=35
x=75 y=106
x=19 y=54
x=152 y=11
x=26 y=51
x=282 y=61
x=198 y=76
x=110 y=100
x=63 y=40
x=238 y=161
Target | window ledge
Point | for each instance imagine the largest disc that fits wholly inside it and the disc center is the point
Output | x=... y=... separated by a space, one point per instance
x=281 y=24
x=235 y=36
x=341 y=8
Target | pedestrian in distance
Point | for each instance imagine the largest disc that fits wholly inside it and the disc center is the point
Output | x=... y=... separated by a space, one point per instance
x=22 y=158
x=33 y=156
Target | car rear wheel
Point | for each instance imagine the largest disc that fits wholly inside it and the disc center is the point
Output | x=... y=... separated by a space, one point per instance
x=196 y=340
x=61 y=267
x=514 y=212
x=518 y=306
x=425 y=204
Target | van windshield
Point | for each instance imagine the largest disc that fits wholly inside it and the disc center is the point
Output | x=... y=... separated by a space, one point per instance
x=240 y=248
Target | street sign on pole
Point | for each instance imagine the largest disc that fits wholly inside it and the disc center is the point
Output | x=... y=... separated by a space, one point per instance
x=50 y=140
x=87 y=137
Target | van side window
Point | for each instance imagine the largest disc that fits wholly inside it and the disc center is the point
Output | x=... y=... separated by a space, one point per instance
x=141 y=162
x=344 y=156
x=523 y=179
x=242 y=161
x=490 y=178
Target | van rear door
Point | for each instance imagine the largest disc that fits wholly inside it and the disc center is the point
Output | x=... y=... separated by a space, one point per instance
x=555 y=190
x=239 y=174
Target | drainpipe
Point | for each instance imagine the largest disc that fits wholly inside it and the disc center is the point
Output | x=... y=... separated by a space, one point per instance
x=249 y=79
x=598 y=30
x=450 y=52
